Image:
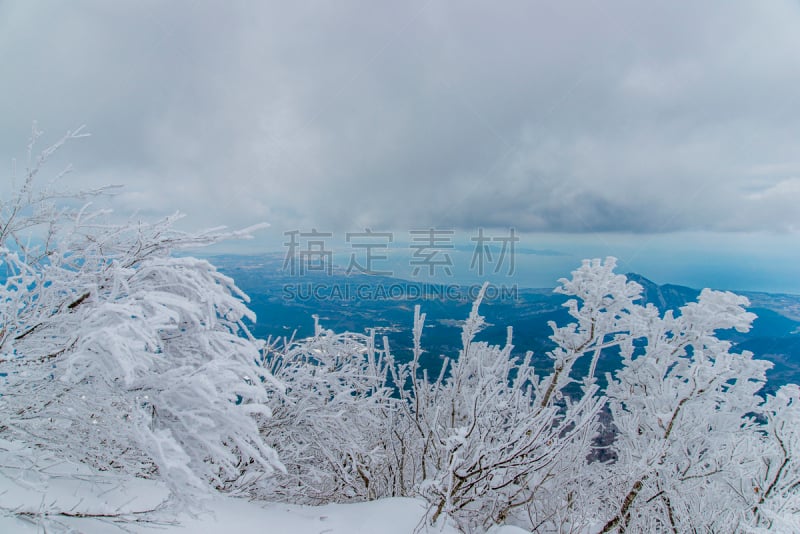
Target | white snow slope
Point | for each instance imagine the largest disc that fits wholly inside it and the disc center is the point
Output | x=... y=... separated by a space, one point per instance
x=39 y=493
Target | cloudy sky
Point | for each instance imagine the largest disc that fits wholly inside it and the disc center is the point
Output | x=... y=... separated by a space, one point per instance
x=648 y=129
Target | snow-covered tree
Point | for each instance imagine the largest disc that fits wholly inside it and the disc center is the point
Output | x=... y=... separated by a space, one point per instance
x=681 y=403
x=117 y=354
x=331 y=422
x=695 y=443
x=771 y=493
x=489 y=437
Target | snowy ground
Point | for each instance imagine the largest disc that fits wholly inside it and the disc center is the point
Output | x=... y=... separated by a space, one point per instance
x=39 y=493
x=229 y=515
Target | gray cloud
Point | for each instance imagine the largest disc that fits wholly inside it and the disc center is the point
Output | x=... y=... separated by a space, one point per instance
x=586 y=117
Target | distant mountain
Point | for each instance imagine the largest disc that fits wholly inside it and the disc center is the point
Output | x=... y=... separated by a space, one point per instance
x=285 y=303
x=784 y=309
x=666 y=297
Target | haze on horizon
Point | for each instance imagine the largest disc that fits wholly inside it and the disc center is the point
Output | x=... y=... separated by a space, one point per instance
x=662 y=133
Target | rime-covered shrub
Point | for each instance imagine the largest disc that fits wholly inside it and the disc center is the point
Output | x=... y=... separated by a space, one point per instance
x=330 y=423
x=116 y=354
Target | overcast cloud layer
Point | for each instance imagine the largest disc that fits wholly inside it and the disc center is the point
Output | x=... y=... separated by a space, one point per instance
x=546 y=116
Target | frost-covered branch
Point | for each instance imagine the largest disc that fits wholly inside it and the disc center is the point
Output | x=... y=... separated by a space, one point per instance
x=116 y=354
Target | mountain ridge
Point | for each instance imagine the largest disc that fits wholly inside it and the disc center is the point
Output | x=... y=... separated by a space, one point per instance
x=775 y=334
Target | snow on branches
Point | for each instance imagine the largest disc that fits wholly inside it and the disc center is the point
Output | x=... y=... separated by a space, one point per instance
x=491 y=440
x=119 y=355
